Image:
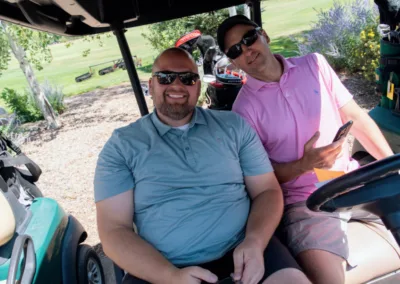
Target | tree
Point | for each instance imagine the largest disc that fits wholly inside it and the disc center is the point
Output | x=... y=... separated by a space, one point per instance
x=28 y=47
x=164 y=34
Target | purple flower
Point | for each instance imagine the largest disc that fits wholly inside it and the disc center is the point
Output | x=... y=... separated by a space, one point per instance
x=336 y=28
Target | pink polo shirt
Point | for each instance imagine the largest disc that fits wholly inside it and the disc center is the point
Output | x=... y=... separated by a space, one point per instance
x=286 y=114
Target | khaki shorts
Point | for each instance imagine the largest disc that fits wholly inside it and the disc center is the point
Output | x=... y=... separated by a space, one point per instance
x=303 y=229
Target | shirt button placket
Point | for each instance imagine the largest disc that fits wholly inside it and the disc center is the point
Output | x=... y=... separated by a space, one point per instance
x=188 y=151
x=285 y=92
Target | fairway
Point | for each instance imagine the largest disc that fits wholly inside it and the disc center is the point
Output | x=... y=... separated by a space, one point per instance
x=281 y=19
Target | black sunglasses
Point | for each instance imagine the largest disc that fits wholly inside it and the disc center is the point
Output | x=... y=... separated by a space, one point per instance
x=168 y=77
x=248 y=39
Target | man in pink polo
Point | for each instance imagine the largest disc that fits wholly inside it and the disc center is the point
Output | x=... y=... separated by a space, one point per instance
x=296 y=106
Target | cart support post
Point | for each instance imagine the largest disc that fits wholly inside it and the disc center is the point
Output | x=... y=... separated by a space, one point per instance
x=256 y=11
x=119 y=32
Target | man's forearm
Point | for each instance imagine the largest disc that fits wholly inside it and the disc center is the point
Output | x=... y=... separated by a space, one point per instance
x=136 y=256
x=370 y=136
x=265 y=215
x=288 y=171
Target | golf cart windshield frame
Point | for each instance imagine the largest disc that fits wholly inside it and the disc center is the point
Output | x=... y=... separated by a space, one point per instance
x=78 y=17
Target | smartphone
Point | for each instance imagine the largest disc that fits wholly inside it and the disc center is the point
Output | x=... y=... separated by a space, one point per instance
x=343 y=131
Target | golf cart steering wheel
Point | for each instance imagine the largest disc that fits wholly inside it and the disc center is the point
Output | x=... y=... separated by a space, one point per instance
x=374 y=188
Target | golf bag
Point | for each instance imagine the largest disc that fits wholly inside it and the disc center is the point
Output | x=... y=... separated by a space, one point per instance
x=222 y=87
x=21 y=182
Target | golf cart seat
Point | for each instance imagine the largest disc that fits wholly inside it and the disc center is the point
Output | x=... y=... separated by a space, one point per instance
x=371 y=236
x=7 y=221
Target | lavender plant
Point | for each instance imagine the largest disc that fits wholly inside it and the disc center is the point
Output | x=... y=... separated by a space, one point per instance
x=337 y=32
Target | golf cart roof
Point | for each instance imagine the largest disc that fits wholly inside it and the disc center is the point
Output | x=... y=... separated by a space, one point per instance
x=85 y=17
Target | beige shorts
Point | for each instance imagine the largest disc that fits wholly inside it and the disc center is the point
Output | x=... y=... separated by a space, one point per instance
x=303 y=229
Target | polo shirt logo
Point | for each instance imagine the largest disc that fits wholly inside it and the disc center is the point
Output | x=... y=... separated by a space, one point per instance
x=316 y=92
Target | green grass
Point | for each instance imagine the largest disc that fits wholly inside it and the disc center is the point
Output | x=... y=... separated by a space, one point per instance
x=69 y=63
x=288 y=17
x=281 y=18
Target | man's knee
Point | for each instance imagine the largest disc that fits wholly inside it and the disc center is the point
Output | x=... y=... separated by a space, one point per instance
x=287 y=275
x=322 y=266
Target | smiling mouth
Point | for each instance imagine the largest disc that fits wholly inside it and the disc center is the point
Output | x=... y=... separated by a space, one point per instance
x=251 y=61
x=175 y=96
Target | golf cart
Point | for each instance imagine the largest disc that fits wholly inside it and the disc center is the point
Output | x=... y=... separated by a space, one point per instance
x=38 y=229
x=374 y=188
x=83 y=77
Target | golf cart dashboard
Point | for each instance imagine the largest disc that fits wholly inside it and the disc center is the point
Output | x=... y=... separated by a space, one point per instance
x=83 y=17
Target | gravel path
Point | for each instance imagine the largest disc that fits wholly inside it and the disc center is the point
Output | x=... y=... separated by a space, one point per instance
x=68 y=156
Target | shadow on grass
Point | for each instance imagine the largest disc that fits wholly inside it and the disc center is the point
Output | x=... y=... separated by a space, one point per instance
x=146 y=68
x=285 y=46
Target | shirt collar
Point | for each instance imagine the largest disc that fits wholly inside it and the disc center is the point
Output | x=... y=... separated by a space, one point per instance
x=256 y=84
x=162 y=128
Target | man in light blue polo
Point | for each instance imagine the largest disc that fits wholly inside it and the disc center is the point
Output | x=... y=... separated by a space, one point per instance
x=185 y=176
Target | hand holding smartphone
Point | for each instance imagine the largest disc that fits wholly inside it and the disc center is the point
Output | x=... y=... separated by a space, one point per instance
x=343 y=131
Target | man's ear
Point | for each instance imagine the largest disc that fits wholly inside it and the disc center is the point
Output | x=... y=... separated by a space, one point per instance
x=150 y=86
x=266 y=36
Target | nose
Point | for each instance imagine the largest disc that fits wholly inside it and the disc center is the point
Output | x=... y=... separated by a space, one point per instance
x=177 y=82
x=246 y=50
x=176 y=86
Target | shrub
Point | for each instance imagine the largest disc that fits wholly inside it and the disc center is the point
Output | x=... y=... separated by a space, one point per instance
x=54 y=95
x=337 y=34
x=12 y=130
x=21 y=105
x=26 y=107
x=366 y=52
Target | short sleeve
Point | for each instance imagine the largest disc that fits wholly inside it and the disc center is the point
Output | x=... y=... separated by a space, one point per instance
x=339 y=92
x=253 y=157
x=112 y=174
x=241 y=106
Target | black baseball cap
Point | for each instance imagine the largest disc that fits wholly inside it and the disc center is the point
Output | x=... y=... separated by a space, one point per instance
x=229 y=23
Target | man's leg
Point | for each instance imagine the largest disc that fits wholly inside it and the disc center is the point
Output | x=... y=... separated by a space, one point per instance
x=318 y=241
x=280 y=266
x=373 y=255
x=287 y=275
x=322 y=266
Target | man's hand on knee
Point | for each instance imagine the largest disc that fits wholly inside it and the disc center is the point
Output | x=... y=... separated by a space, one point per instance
x=192 y=275
x=249 y=262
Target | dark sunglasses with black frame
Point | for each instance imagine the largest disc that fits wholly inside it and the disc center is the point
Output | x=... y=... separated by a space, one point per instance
x=168 y=77
x=248 y=39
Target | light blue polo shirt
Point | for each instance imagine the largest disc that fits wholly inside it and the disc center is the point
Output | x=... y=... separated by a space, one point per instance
x=190 y=198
